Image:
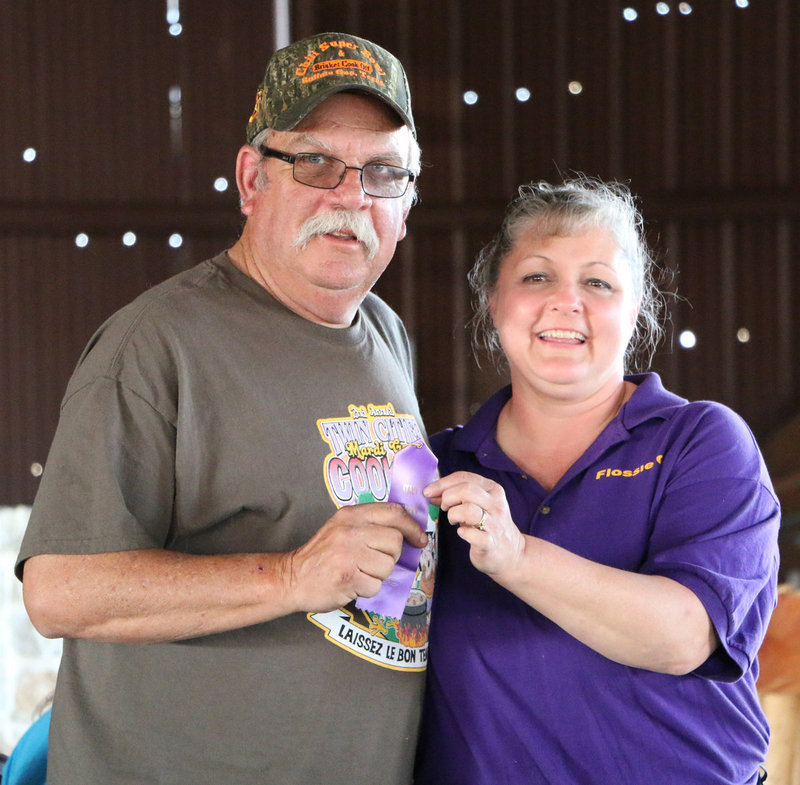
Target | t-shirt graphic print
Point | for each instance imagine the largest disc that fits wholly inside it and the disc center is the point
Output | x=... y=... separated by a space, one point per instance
x=363 y=445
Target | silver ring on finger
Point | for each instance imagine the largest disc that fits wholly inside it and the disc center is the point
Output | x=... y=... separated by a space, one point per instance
x=481 y=525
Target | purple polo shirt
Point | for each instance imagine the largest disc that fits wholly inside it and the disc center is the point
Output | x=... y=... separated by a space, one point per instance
x=669 y=488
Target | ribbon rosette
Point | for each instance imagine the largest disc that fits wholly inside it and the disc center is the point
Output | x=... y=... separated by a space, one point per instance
x=414 y=466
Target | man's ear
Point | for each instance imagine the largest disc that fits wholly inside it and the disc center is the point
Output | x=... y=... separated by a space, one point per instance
x=247 y=161
x=402 y=231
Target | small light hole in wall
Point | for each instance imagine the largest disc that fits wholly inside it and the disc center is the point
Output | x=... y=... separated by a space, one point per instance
x=175 y=240
x=522 y=94
x=630 y=14
x=685 y=8
x=743 y=335
x=175 y=96
x=742 y=3
x=129 y=239
x=173 y=11
x=221 y=184
x=175 y=105
x=29 y=155
x=687 y=339
x=37 y=469
x=662 y=8
x=575 y=87
x=174 y=17
x=82 y=239
x=470 y=97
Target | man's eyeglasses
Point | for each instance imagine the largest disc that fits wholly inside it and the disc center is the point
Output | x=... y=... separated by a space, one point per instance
x=324 y=171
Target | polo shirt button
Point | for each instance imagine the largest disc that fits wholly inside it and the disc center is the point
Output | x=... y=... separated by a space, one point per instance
x=545 y=510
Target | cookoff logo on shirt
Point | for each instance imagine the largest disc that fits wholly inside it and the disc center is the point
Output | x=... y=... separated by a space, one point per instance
x=379 y=455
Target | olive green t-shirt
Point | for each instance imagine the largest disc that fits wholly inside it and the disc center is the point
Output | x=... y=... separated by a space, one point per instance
x=207 y=418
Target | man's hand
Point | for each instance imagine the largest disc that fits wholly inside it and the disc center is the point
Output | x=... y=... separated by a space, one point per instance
x=350 y=556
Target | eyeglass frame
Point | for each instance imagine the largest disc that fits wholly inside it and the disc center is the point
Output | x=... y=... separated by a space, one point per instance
x=270 y=152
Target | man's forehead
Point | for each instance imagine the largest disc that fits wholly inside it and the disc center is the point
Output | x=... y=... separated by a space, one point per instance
x=358 y=110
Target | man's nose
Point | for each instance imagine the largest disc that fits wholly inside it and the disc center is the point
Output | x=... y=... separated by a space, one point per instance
x=349 y=193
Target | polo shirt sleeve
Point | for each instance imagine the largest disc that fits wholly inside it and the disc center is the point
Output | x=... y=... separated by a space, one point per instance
x=715 y=531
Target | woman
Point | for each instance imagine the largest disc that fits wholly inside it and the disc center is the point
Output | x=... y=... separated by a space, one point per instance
x=611 y=563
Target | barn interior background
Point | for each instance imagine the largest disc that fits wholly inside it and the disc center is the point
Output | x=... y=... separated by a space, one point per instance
x=120 y=122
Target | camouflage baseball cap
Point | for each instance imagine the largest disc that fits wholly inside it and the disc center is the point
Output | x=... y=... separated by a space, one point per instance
x=305 y=73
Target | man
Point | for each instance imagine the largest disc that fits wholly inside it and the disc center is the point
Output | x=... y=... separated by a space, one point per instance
x=185 y=540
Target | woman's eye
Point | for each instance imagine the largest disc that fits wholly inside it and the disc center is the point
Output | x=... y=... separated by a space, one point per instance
x=597 y=283
x=535 y=277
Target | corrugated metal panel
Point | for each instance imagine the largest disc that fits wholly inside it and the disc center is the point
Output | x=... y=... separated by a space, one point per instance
x=698 y=111
x=89 y=88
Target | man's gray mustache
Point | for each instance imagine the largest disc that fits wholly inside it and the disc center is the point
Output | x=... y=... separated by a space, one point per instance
x=339 y=221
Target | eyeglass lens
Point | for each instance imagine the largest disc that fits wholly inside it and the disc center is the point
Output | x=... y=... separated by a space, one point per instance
x=322 y=171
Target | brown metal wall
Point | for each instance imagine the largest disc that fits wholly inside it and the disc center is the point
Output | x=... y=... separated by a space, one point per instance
x=699 y=112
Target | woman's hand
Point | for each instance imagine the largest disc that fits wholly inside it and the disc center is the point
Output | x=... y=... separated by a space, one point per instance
x=645 y=621
x=479 y=508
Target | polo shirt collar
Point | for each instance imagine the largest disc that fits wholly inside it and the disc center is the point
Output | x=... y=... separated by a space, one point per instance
x=649 y=401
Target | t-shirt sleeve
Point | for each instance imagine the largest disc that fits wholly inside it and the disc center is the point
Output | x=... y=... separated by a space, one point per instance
x=108 y=484
x=715 y=531
x=390 y=326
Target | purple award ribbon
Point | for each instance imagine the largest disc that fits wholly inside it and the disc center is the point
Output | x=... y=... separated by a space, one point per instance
x=414 y=466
